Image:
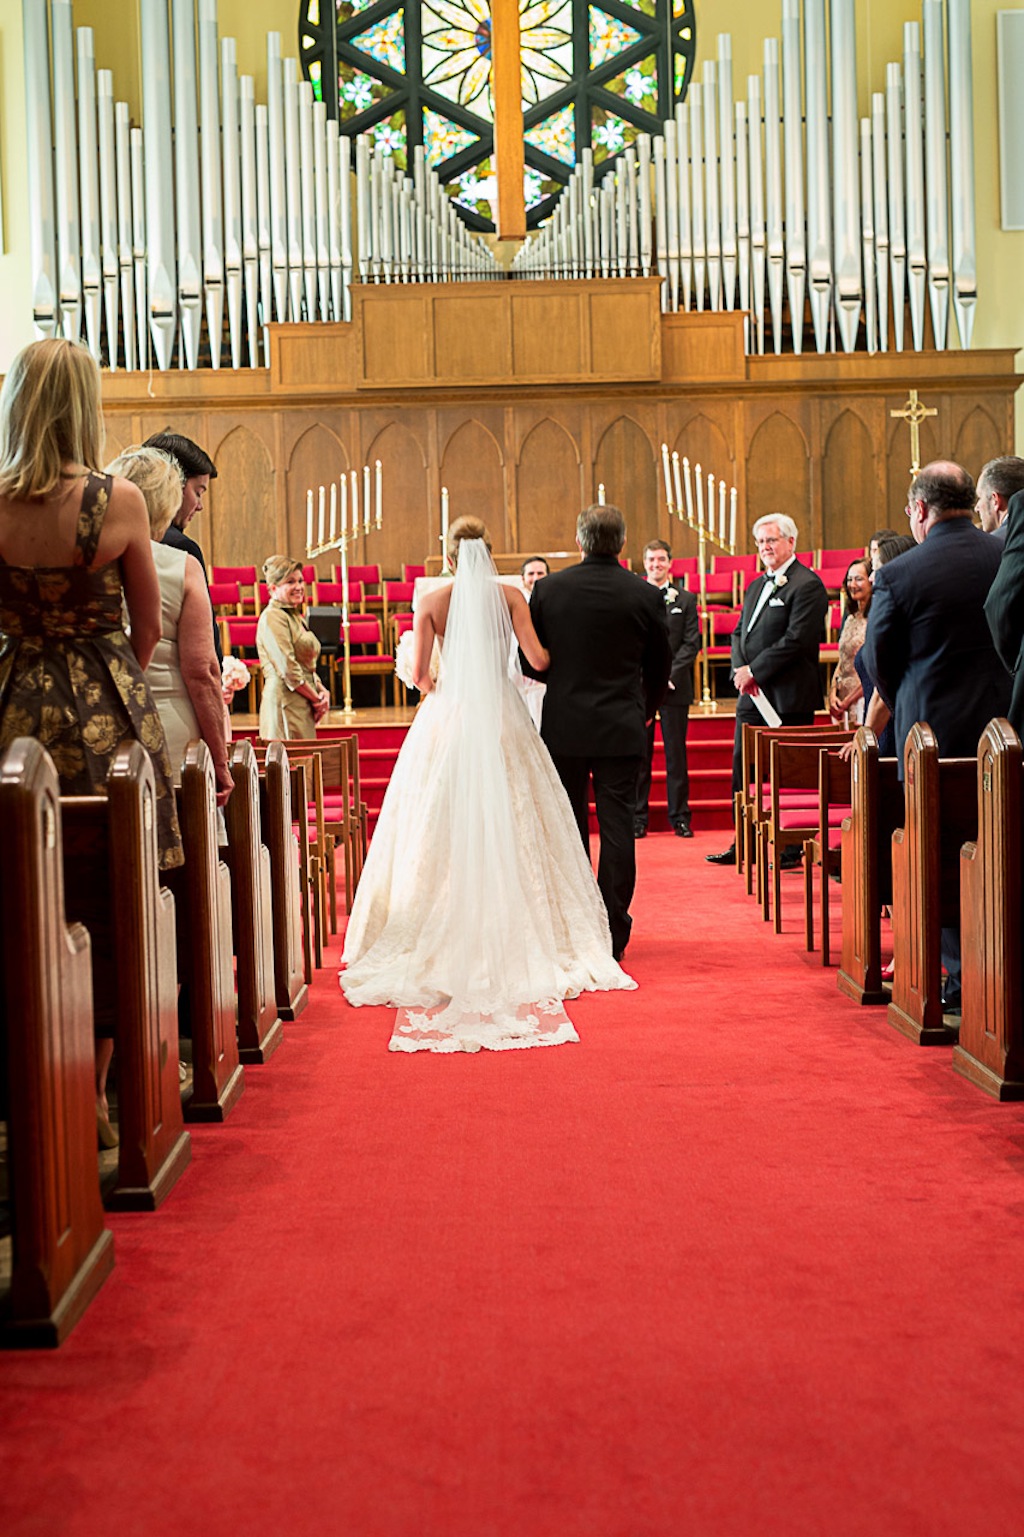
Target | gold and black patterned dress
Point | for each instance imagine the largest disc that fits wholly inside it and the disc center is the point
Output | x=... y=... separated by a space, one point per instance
x=69 y=676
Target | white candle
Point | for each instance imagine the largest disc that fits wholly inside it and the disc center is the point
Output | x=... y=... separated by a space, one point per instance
x=668 y=478
x=444 y=528
x=711 y=505
x=721 y=512
x=321 y=505
x=355 y=501
x=678 y=484
x=732 y=520
x=689 y=490
x=334 y=511
x=600 y=494
x=309 y=520
x=700 y=496
x=344 y=506
x=366 y=498
x=379 y=488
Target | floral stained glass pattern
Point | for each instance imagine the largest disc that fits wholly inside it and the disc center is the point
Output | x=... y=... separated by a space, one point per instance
x=556 y=136
x=609 y=36
x=443 y=138
x=385 y=41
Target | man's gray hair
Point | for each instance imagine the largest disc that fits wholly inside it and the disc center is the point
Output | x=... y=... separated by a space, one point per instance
x=784 y=524
x=1004 y=475
x=601 y=530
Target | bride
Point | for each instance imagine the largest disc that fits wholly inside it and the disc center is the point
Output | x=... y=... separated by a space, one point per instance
x=477 y=913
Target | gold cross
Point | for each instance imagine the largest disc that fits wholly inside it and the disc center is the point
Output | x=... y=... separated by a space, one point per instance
x=507 y=90
x=914 y=413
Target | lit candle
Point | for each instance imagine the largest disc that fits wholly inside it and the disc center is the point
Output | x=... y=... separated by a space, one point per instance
x=366 y=498
x=379 y=487
x=321 y=506
x=309 y=520
x=678 y=484
x=668 y=478
x=732 y=520
x=444 y=528
x=721 y=512
x=700 y=497
x=334 y=511
x=344 y=506
x=689 y=490
x=355 y=501
x=600 y=494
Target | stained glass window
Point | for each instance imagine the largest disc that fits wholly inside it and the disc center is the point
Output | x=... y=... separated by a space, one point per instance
x=592 y=76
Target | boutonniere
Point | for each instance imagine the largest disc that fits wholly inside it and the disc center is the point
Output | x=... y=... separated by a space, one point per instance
x=670 y=594
x=781 y=579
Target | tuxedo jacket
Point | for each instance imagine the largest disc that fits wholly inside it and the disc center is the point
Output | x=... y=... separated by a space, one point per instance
x=782 y=649
x=928 y=646
x=684 y=644
x=607 y=632
x=1004 y=607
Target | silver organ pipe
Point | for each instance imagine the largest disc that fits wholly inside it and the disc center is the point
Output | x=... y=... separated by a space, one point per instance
x=89 y=188
x=845 y=175
x=729 y=169
x=322 y=189
x=278 y=203
x=897 y=211
x=758 y=251
x=209 y=144
x=697 y=200
x=792 y=133
x=713 y=226
x=39 y=154
x=263 y=223
x=961 y=161
x=140 y=256
x=125 y=254
x=912 y=114
x=683 y=201
x=881 y=216
x=69 y=242
x=742 y=210
x=108 y=207
x=773 y=180
x=819 y=223
x=867 y=218
x=935 y=180
x=292 y=187
x=307 y=199
x=660 y=220
x=186 y=177
x=672 y=212
x=159 y=179
x=232 y=178
x=250 y=214
x=333 y=216
x=345 y=192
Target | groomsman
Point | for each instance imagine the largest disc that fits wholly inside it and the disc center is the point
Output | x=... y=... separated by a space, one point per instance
x=610 y=663
x=674 y=713
x=775 y=646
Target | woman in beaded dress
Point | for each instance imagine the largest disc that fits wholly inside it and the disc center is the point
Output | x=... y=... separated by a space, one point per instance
x=847 y=693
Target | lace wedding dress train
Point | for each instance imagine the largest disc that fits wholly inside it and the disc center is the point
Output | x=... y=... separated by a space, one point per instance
x=477 y=913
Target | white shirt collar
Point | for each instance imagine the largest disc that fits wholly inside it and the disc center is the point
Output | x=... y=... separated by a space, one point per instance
x=780 y=570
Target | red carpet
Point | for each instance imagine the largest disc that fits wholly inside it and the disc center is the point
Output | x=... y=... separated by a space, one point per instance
x=742 y=1261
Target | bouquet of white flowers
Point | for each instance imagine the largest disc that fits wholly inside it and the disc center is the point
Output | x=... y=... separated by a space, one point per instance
x=233 y=675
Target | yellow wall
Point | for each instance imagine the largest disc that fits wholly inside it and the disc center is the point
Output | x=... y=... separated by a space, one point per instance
x=1000 y=314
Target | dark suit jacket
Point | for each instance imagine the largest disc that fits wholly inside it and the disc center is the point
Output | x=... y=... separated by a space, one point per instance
x=608 y=637
x=684 y=643
x=1004 y=607
x=179 y=540
x=928 y=646
x=782 y=649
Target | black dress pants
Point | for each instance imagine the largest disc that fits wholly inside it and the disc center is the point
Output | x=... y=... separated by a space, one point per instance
x=615 y=797
x=675 y=721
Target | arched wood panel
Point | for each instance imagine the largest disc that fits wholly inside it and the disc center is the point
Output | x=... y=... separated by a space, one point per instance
x=548 y=492
x=317 y=458
x=625 y=464
x=849 y=482
x=410 y=526
x=703 y=443
x=778 y=479
x=241 y=517
x=978 y=441
x=472 y=470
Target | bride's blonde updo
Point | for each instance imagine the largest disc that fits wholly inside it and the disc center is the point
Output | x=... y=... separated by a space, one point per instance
x=466 y=528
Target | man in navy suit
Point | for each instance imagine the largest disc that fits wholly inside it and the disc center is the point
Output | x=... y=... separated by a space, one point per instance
x=1004 y=608
x=928 y=645
x=999 y=480
x=608 y=637
x=775 y=646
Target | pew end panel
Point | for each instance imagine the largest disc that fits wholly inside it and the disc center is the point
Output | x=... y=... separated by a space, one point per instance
x=260 y=1031
x=876 y=810
x=288 y=918
x=62 y=1251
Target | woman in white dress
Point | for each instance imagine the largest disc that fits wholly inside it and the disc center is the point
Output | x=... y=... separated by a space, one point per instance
x=477 y=913
x=183 y=676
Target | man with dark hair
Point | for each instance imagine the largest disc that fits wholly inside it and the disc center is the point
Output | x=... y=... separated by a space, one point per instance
x=876 y=539
x=928 y=645
x=197 y=469
x=674 y=712
x=999 y=480
x=608 y=638
x=532 y=570
x=1004 y=608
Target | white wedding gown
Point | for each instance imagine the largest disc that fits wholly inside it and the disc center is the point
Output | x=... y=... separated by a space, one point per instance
x=477 y=912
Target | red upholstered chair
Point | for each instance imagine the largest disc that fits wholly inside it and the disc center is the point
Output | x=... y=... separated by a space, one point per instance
x=683 y=565
x=734 y=563
x=397 y=596
x=328 y=594
x=365 y=630
x=834 y=578
x=226 y=598
x=370 y=577
x=238 y=638
x=840 y=557
x=245 y=576
x=719 y=587
x=718 y=625
x=410 y=573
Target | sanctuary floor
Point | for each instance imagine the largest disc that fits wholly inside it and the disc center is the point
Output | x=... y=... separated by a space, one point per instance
x=744 y=1260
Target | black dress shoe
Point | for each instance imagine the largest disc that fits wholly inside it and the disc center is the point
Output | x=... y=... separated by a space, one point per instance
x=639 y=829
x=791 y=858
x=682 y=829
x=726 y=857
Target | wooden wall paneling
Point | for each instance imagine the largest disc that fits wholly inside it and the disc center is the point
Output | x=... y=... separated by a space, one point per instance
x=548 y=487
x=409 y=524
x=980 y=438
x=625 y=462
x=702 y=439
x=778 y=475
x=849 y=477
x=933 y=435
x=317 y=456
x=241 y=502
x=473 y=469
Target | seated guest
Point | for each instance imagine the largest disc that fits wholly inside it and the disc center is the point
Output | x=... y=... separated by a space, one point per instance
x=294 y=700
x=876 y=539
x=197 y=470
x=532 y=570
x=184 y=676
x=999 y=480
x=846 y=695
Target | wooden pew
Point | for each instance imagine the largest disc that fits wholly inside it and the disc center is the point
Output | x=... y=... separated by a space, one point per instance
x=991 y=1048
x=876 y=797
x=61 y=1250
x=290 y=987
x=202 y=893
x=794 y=768
x=112 y=886
x=941 y=814
x=259 y=1026
x=819 y=851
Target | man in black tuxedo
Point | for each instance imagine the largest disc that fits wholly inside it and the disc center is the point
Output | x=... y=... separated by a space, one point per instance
x=775 y=646
x=1004 y=608
x=999 y=480
x=197 y=470
x=610 y=662
x=674 y=712
x=928 y=645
